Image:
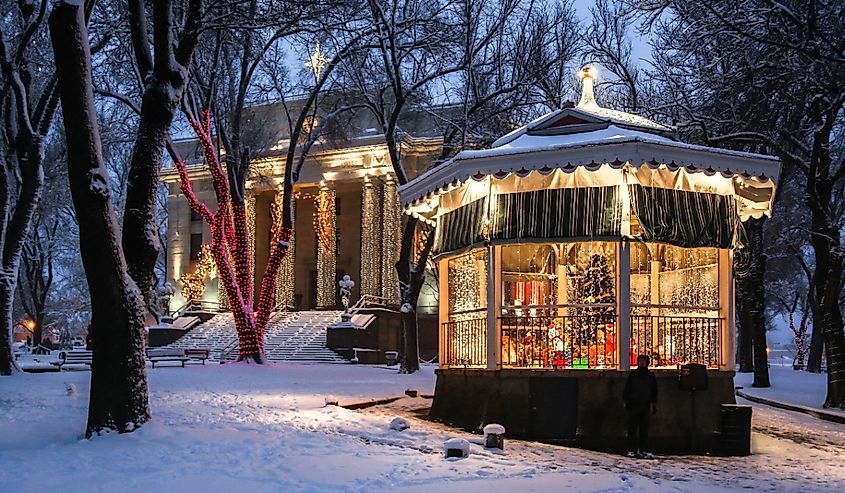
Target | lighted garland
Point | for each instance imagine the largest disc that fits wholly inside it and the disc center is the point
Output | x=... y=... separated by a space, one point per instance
x=193 y=283
x=370 y=240
x=324 y=213
x=391 y=242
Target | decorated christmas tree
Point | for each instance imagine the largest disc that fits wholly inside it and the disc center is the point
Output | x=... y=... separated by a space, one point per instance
x=593 y=337
x=596 y=286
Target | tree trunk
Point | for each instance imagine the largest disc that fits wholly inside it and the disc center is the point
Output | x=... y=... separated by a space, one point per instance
x=746 y=338
x=7 y=291
x=814 y=358
x=140 y=224
x=411 y=279
x=118 y=398
x=752 y=291
x=827 y=280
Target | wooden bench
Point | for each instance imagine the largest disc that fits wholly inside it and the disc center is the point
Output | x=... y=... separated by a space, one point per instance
x=197 y=354
x=73 y=358
x=157 y=355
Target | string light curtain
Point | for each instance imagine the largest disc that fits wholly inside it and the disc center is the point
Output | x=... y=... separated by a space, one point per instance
x=325 y=218
x=285 y=282
x=370 y=239
x=392 y=242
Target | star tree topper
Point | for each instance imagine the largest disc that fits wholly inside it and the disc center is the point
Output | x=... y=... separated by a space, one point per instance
x=317 y=61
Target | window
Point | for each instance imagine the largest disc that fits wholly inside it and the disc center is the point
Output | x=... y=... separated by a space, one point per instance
x=196 y=243
x=466 y=330
x=675 y=304
x=195 y=217
x=559 y=305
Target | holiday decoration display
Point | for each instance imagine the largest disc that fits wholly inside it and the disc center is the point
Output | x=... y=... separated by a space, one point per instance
x=317 y=61
x=231 y=249
x=346 y=285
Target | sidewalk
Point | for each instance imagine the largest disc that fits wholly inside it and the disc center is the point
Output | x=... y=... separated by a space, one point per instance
x=792 y=390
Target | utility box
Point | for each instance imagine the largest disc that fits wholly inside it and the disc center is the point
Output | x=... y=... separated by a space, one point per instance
x=692 y=377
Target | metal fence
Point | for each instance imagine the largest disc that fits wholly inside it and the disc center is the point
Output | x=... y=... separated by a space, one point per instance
x=678 y=339
x=570 y=341
x=466 y=343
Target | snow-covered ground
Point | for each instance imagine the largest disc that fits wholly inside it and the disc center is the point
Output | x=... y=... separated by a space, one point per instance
x=240 y=427
x=791 y=387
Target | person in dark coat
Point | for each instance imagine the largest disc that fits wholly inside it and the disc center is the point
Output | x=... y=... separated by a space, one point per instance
x=640 y=397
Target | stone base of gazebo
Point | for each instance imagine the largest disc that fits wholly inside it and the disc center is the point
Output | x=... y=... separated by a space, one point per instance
x=582 y=408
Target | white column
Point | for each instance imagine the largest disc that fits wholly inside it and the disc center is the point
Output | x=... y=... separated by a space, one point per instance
x=726 y=309
x=623 y=304
x=443 y=310
x=493 y=303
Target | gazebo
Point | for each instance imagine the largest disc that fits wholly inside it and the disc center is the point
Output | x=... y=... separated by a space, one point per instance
x=573 y=244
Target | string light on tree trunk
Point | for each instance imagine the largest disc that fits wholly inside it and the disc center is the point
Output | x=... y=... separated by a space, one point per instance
x=231 y=249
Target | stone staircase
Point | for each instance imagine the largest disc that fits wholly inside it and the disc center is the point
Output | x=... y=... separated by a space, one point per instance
x=215 y=334
x=290 y=336
x=301 y=338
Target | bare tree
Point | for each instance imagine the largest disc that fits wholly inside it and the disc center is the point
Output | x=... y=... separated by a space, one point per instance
x=118 y=396
x=26 y=118
x=164 y=73
x=771 y=75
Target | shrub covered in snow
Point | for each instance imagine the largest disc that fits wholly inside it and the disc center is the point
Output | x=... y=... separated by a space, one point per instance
x=399 y=424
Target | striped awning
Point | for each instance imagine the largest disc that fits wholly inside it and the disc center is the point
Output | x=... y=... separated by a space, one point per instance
x=675 y=217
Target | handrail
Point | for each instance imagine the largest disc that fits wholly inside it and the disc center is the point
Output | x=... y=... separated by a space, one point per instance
x=224 y=353
x=366 y=301
x=189 y=305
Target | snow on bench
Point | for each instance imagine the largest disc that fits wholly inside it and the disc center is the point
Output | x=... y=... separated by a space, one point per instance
x=157 y=355
x=197 y=354
x=73 y=358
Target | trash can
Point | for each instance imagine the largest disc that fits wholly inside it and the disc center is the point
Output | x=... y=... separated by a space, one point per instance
x=735 y=434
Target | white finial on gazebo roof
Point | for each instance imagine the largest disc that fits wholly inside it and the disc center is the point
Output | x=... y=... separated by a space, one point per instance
x=588 y=97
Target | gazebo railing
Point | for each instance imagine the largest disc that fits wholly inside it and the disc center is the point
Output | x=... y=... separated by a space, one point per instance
x=466 y=343
x=671 y=340
x=558 y=342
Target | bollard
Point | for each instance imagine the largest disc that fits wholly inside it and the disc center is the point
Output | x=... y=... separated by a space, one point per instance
x=494 y=436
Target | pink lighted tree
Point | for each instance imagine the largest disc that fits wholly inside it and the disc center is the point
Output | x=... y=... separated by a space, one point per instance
x=230 y=249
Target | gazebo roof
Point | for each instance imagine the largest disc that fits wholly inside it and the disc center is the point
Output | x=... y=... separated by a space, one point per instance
x=589 y=137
